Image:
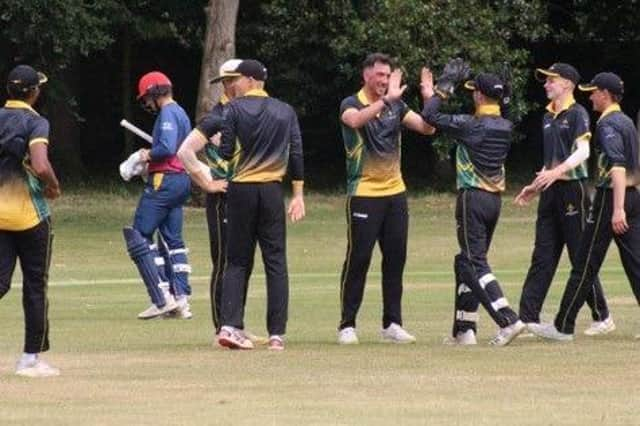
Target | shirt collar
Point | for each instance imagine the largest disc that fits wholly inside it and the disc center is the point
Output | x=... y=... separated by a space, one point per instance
x=224 y=99
x=487 y=109
x=257 y=92
x=565 y=106
x=611 y=108
x=362 y=97
x=16 y=104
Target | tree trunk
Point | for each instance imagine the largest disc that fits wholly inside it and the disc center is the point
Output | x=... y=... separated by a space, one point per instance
x=219 y=46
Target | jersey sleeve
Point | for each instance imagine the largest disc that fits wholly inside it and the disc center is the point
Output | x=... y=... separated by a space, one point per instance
x=166 y=143
x=612 y=144
x=350 y=102
x=39 y=132
x=211 y=123
x=296 y=158
x=454 y=125
x=581 y=125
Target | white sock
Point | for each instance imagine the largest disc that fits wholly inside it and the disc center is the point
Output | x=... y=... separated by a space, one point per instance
x=28 y=358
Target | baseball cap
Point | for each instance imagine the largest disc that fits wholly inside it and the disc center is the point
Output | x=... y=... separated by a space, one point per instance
x=605 y=81
x=252 y=68
x=228 y=69
x=24 y=77
x=488 y=84
x=559 y=69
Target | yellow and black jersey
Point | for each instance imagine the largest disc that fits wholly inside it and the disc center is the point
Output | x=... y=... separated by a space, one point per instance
x=209 y=126
x=561 y=131
x=261 y=139
x=617 y=144
x=373 y=151
x=22 y=204
x=483 y=139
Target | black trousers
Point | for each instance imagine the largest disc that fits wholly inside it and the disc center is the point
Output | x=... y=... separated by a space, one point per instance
x=596 y=239
x=477 y=214
x=33 y=248
x=562 y=212
x=216 y=209
x=371 y=219
x=255 y=214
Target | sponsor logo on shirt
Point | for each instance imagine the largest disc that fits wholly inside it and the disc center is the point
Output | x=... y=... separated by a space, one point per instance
x=360 y=215
x=166 y=126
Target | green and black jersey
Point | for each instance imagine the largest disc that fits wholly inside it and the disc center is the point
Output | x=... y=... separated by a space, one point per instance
x=617 y=144
x=261 y=139
x=208 y=127
x=483 y=139
x=373 y=151
x=562 y=131
x=22 y=203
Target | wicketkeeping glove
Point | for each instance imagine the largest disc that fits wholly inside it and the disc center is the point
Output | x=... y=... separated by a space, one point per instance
x=456 y=71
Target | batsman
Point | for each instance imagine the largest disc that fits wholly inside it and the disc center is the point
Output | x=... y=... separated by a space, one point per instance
x=164 y=268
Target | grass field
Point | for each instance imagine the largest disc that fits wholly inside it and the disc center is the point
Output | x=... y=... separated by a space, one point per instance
x=119 y=370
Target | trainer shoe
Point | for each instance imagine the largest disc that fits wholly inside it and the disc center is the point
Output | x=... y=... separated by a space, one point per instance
x=462 y=338
x=233 y=338
x=276 y=343
x=348 y=336
x=36 y=368
x=396 y=334
x=257 y=340
x=601 y=327
x=549 y=331
x=153 y=311
x=507 y=334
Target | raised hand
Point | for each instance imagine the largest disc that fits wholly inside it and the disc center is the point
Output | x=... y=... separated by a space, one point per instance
x=395 y=90
x=426 y=83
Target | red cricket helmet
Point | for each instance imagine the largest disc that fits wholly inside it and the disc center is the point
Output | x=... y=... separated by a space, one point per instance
x=153 y=83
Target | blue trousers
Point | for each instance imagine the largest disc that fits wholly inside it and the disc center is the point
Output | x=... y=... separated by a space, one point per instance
x=160 y=208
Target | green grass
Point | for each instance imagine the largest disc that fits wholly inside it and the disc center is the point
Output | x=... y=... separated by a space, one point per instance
x=118 y=370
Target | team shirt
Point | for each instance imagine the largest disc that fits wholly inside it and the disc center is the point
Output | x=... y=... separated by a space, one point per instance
x=207 y=128
x=22 y=203
x=260 y=139
x=169 y=131
x=617 y=142
x=483 y=142
x=373 y=151
x=561 y=131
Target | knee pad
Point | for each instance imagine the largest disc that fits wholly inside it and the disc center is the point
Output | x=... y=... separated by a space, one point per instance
x=142 y=256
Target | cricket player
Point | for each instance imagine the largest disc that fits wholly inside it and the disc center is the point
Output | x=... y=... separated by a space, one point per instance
x=564 y=201
x=26 y=181
x=376 y=207
x=615 y=214
x=160 y=207
x=483 y=142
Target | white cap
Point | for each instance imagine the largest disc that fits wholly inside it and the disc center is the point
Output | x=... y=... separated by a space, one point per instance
x=228 y=69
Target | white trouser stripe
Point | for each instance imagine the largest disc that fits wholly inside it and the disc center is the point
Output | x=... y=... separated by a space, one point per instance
x=486 y=279
x=467 y=316
x=500 y=303
x=182 y=267
x=179 y=251
x=159 y=261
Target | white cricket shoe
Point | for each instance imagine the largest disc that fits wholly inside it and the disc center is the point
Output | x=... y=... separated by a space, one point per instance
x=463 y=338
x=549 y=331
x=396 y=334
x=601 y=327
x=153 y=311
x=507 y=334
x=36 y=368
x=348 y=336
x=233 y=338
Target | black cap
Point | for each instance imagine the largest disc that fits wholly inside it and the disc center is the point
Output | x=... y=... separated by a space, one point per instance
x=24 y=78
x=559 y=69
x=488 y=84
x=605 y=81
x=252 y=68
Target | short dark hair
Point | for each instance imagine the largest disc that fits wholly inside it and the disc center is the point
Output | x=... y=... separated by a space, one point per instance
x=615 y=97
x=18 y=93
x=373 y=58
